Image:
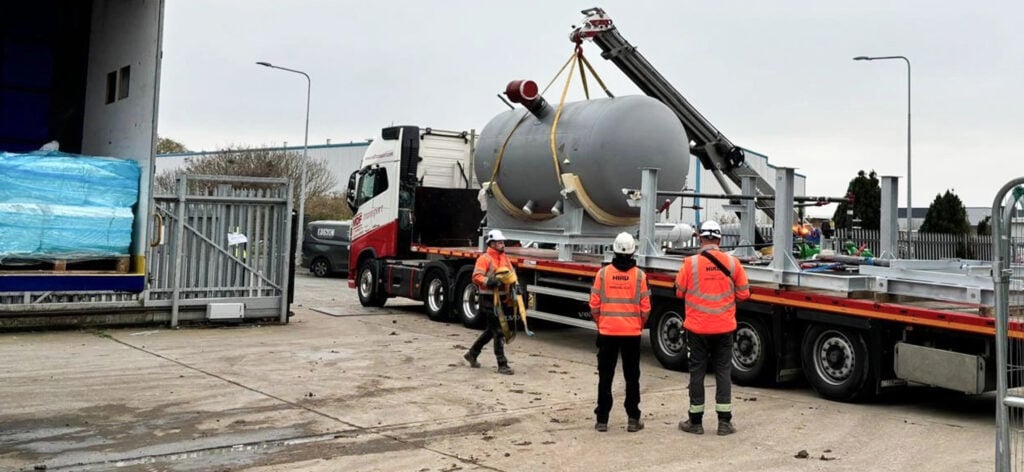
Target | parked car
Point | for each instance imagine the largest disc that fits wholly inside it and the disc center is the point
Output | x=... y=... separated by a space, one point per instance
x=325 y=247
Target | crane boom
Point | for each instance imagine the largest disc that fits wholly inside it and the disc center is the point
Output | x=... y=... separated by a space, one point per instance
x=716 y=153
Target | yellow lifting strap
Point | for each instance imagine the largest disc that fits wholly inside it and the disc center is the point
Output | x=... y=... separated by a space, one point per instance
x=509 y=279
x=596 y=77
x=576 y=56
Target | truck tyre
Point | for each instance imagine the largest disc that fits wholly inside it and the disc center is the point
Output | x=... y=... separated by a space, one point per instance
x=436 y=299
x=369 y=284
x=836 y=362
x=467 y=299
x=320 y=267
x=753 y=351
x=668 y=338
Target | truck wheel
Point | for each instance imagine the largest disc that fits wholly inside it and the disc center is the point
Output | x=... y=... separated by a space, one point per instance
x=753 y=353
x=836 y=362
x=668 y=338
x=435 y=295
x=320 y=267
x=369 y=285
x=468 y=304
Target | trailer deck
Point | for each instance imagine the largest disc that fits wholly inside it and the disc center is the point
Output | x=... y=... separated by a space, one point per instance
x=866 y=303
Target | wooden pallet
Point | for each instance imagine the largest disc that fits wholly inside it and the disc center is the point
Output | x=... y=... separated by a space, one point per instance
x=110 y=265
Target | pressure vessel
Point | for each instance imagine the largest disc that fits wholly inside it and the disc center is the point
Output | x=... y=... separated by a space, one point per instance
x=600 y=146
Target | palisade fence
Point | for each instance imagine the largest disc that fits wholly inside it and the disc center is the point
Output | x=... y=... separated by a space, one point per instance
x=930 y=246
x=926 y=245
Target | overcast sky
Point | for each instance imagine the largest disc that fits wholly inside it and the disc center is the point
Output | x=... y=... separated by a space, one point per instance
x=774 y=77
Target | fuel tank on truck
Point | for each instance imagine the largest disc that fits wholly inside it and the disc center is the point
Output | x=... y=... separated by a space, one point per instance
x=601 y=146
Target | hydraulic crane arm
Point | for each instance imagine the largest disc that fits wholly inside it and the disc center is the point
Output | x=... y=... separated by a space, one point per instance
x=715 y=151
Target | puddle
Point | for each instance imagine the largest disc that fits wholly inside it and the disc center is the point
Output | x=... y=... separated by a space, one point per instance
x=200 y=459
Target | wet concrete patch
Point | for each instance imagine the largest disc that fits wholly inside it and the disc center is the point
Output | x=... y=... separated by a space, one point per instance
x=112 y=432
x=329 y=447
x=342 y=312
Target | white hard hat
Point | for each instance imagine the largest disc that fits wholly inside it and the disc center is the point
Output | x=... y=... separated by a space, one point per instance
x=624 y=244
x=494 y=235
x=711 y=229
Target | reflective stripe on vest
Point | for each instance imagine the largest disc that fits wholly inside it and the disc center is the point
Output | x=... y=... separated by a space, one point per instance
x=491 y=269
x=711 y=302
x=620 y=315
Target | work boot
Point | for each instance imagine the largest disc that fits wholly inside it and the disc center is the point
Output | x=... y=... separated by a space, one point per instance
x=725 y=428
x=469 y=357
x=601 y=427
x=504 y=369
x=690 y=427
x=634 y=425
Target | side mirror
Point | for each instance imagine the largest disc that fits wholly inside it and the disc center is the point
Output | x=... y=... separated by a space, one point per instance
x=350 y=192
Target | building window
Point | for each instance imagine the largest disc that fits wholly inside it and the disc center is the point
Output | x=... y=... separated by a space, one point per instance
x=111 y=87
x=118 y=84
x=124 y=77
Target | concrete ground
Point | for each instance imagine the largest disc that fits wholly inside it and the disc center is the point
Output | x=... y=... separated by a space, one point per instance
x=347 y=388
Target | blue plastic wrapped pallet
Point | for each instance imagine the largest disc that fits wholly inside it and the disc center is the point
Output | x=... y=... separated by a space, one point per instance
x=63 y=206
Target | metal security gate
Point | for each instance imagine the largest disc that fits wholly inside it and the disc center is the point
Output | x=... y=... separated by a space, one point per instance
x=1008 y=276
x=222 y=242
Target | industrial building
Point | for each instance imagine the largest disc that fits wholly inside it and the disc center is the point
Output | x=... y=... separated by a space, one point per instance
x=342 y=158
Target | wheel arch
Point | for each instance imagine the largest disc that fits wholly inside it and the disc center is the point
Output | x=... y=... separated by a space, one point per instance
x=439 y=265
x=365 y=254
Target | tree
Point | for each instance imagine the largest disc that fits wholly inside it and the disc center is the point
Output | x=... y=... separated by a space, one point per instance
x=329 y=206
x=169 y=146
x=249 y=162
x=867 y=202
x=946 y=215
x=985 y=227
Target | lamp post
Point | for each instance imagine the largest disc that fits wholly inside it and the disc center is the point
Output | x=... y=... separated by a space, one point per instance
x=305 y=163
x=910 y=208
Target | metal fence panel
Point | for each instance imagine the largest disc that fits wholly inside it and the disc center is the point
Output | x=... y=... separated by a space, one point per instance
x=1008 y=256
x=203 y=259
x=1015 y=363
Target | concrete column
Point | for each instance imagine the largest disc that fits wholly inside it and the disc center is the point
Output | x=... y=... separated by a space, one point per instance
x=889 y=225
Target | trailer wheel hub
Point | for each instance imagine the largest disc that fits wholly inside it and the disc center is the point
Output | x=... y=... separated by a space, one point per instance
x=435 y=294
x=747 y=348
x=835 y=360
x=671 y=337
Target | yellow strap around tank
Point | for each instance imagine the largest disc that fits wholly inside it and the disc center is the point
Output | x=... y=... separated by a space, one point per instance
x=511 y=209
x=592 y=209
x=572 y=183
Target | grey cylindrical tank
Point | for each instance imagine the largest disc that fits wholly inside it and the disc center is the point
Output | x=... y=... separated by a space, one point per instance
x=605 y=142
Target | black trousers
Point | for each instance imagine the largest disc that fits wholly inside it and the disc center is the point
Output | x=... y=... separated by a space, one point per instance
x=493 y=331
x=608 y=350
x=716 y=348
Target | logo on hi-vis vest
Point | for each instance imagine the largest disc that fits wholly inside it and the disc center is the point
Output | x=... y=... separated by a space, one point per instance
x=620 y=277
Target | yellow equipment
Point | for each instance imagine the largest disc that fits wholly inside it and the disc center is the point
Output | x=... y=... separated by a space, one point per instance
x=510 y=283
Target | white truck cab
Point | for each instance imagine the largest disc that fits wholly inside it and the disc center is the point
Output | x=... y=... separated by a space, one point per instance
x=414 y=185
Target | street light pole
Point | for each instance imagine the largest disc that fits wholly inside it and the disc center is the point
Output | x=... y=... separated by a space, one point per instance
x=910 y=207
x=300 y=231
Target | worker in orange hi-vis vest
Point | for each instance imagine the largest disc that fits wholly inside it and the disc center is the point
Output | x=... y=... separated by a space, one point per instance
x=710 y=283
x=484 y=276
x=620 y=303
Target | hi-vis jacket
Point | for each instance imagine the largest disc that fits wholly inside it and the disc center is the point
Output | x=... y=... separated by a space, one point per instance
x=620 y=301
x=710 y=296
x=486 y=265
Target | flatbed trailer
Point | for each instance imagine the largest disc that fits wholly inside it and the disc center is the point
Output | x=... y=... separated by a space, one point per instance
x=852 y=331
x=848 y=345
